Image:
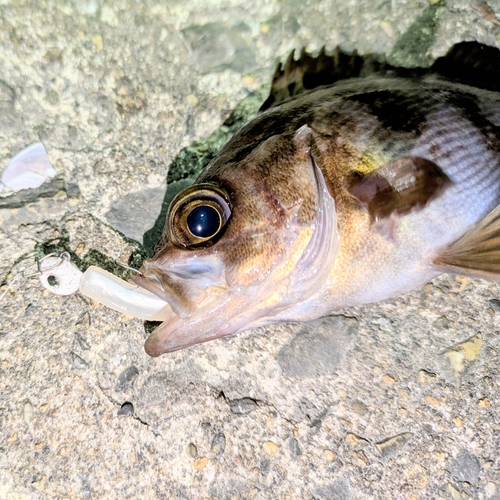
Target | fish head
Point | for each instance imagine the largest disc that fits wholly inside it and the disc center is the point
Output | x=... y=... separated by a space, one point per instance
x=245 y=243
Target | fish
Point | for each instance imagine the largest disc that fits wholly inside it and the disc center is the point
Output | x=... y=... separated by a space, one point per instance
x=356 y=182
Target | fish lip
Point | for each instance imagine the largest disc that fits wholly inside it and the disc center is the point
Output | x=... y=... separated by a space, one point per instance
x=152 y=282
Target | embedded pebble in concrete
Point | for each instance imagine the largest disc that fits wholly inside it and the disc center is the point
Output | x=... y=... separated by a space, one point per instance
x=78 y=362
x=137 y=212
x=84 y=345
x=465 y=467
x=393 y=444
x=192 y=450
x=336 y=490
x=126 y=378
x=461 y=355
x=270 y=448
x=243 y=406
x=495 y=304
x=126 y=410
x=218 y=445
x=294 y=447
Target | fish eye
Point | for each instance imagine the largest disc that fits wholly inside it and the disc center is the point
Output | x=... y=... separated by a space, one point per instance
x=203 y=221
x=198 y=215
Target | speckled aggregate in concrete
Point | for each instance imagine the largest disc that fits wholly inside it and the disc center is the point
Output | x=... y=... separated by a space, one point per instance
x=395 y=400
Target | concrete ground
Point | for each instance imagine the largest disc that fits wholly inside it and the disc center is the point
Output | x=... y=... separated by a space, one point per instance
x=395 y=400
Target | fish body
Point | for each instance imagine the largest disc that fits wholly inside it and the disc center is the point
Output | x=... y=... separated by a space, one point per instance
x=341 y=195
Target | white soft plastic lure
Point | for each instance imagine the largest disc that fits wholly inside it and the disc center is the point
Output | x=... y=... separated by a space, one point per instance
x=28 y=169
x=60 y=276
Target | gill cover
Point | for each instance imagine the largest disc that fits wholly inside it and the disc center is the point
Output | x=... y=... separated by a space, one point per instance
x=264 y=256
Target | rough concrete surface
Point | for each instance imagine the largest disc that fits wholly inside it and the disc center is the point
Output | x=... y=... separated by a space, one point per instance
x=395 y=400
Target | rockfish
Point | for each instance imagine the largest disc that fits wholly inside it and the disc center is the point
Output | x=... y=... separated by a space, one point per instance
x=356 y=182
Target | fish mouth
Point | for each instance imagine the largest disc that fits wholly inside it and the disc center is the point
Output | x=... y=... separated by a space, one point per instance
x=183 y=297
x=184 y=285
x=152 y=282
x=209 y=323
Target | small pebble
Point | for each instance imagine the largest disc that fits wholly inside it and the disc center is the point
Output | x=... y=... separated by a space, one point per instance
x=98 y=43
x=329 y=455
x=393 y=444
x=243 y=406
x=432 y=400
x=126 y=410
x=192 y=100
x=466 y=467
x=417 y=475
x=425 y=377
x=126 y=378
x=294 y=447
x=83 y=319
x=28 y=412
x=192 y=450
x=490 y=489
x=270 y=448
x=200 y=463
x=82 y=342
x=442 y=323
x=495 y=304
x=78 y=362
x=359 y=408
x=218 y=444
x=483 y=403
x=460 y=355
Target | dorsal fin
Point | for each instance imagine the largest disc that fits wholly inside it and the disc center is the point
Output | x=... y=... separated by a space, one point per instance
x=471 y=63
x=309 y=72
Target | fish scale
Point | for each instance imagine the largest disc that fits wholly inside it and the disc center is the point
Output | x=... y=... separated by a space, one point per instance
x=347 y=188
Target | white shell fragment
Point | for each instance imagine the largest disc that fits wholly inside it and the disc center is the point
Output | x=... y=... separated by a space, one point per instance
x=59 y=275
x=121 y=296
x=28 y=169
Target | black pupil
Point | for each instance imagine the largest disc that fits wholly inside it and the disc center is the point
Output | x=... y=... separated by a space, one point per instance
x=52 y=280
x=203 y=221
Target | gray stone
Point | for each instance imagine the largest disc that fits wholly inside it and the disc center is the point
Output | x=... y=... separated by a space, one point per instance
x=243 y=406
x=393 y=444
x=337 y=490
x=82 y=342
x=319 y=347
x=126 y=410
x=495 y=304
x=294 y=447
x=466 y=467
x=126 y=378
x=49 y=189
x=192 y=450
x=218 y=445
x=136 y=212
x=78 y=362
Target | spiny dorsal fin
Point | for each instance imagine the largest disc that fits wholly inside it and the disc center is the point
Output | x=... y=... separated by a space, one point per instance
x=477 y=252
x=471 y=63
x=308 y=72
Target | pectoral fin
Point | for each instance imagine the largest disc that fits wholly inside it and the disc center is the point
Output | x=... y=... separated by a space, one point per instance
x=477 y=252
x=397 y=188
